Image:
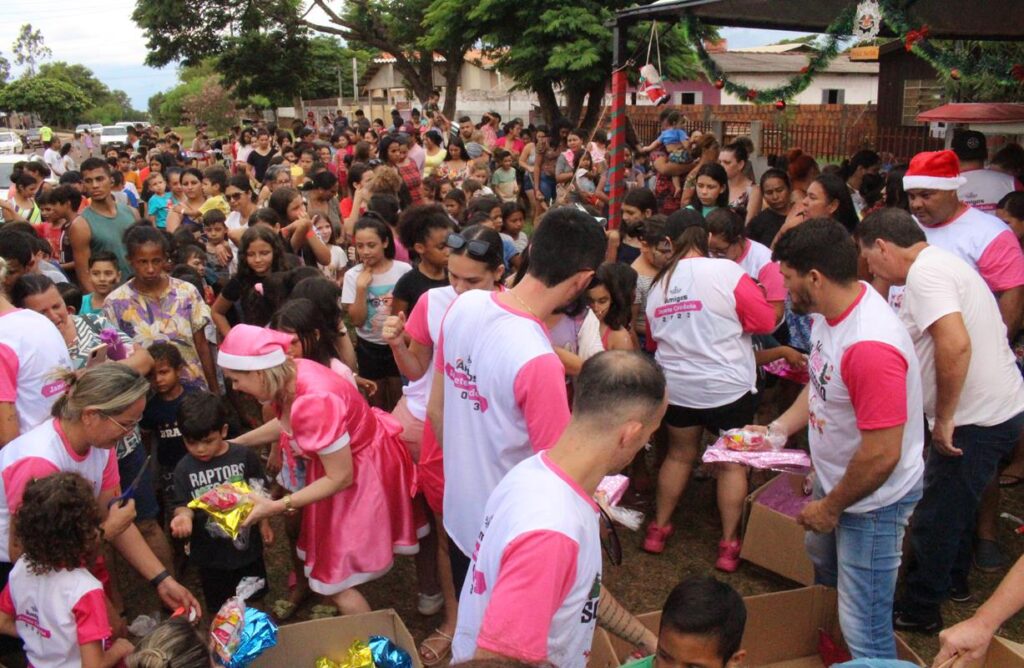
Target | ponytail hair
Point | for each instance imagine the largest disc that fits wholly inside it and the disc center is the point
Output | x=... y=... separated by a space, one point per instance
x=693 y=238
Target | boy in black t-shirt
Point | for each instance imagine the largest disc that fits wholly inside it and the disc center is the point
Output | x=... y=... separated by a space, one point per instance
x=160 y=419
x=424 y=231
x=221 y=561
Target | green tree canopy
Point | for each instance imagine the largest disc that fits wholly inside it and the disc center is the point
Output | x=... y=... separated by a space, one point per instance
x=106 y=106
x=57 y=102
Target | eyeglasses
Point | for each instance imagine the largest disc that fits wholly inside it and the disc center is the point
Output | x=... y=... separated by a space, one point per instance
x=233 y=196
x=475 y=247
x=610 y=539
x=125 y=428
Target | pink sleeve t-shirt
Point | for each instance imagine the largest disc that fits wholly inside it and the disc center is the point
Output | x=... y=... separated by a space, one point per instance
x=876 y=375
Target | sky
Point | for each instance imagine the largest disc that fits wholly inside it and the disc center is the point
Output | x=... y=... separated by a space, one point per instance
x=101 y=35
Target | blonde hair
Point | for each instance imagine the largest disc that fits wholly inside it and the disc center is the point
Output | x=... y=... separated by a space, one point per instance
x=107 y=388
x=173 y=644
x=3 y=270
x=277 y=380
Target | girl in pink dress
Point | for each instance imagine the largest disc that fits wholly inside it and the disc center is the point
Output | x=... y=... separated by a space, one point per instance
x=356 y=498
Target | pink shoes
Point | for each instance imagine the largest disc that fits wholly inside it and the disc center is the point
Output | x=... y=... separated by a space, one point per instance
x=728 y=556
x=656 y=537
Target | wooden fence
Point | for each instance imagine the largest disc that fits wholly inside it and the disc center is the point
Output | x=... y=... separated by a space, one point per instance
x=827 y=141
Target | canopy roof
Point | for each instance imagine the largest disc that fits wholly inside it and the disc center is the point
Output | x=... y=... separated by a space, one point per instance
x=987 y=20
x=975 y=112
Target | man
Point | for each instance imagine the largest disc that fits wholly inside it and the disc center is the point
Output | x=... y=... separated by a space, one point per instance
x=982 y=188
x=973 y=399
x=863 y=407
x=101 y=225
x=499 y=394
x=51 y=156
x=362 y=122
x=539 y=546
x=45 y=135
x=979 y=239
x=31 y=350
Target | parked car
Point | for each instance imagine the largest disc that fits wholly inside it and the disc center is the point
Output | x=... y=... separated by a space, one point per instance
x=113 y=136
x=32 y=139
x=7 y=162
x=96 y=128
x=83 y=128
x=10 y=142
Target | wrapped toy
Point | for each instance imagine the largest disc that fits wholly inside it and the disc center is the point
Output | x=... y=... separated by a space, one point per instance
x=227 y=506
x=386 y=654
x=227 y=625
x=259 y=633
x=787 y=460
x=746 y=440
x=359 y=656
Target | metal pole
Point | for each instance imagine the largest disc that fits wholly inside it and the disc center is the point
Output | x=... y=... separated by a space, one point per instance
x=616 y=169
x=340 y=93
x=355 y=82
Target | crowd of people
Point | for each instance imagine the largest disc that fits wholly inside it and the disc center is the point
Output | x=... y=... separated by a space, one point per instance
x=420 y=338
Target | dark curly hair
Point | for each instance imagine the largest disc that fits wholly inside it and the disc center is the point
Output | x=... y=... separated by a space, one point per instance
x=58 y=523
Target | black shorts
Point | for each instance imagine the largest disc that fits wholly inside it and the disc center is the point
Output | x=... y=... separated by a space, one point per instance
x=219 y=584
x=376 y=361
x=730 y=416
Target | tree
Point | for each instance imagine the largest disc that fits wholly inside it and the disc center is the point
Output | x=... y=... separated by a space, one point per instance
x=56 y=101
x=5 y=70
x=29 y=49
x=549 y=49
x=107 y=106
x=190 y=31
x=214 y=104
x=986 y=85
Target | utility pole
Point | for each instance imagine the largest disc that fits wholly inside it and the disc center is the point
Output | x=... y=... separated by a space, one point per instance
x=340 y=93
x=355 y=81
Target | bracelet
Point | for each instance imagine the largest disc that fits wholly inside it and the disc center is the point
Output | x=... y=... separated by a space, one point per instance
x=159 y=577
x=287 y=498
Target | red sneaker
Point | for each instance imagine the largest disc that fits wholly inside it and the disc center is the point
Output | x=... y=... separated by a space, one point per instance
x=656 y=537
x=728 y=556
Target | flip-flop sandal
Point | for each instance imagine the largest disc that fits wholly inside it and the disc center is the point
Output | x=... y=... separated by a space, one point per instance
x=438 y=637
x=283 y=609
x=323 y=612
x=1007 y=480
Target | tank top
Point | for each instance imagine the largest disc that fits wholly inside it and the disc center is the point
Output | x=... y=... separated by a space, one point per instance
x=106 y=234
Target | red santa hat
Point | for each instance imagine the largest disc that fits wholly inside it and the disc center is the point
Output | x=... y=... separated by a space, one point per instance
x=934 y=170
x=251 y=348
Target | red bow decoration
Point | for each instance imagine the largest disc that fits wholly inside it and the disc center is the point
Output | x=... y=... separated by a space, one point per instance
x=915 y=36
x=1018 y=72
x=751 y=94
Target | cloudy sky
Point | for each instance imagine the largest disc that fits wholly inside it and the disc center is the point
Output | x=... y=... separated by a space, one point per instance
x=100 y=34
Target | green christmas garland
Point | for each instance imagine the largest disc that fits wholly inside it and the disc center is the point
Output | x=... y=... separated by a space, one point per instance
x=959 y=66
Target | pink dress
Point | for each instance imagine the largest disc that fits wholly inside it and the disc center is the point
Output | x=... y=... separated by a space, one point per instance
x=351 y=537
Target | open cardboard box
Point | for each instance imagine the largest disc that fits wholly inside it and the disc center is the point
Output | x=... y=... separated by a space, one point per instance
x=772 y=539
x=301 y=644
x=781 y=632
x=1002 y=653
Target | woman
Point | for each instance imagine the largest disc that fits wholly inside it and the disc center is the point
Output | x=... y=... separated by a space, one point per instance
x=372 y=138
x=548 y=152
x=475 y=262
x=565 y=168
x=802 y=169
x=187 y=211
x=259 y=158
x=239 y=197
x=395 y=153
x=66 y=160
x=455 y=166
x=777 y=195
x=827 y=197
x=528 y=164
x=322 y=198
x=100 y=406
x=435 y=153
x=744 y=195
x=358 y=474
x=511 y=141
x=702 y=312
x=853 y=170
x=22 y=207
x=243 y=147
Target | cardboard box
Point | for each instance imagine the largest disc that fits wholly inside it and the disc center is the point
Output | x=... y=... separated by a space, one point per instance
x=782 y=629
x=1002 y=653
x=301 y=644
x=772 y=539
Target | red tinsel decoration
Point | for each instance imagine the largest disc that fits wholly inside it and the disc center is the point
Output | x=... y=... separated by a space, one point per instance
x=1018 y=72
x=915 y=36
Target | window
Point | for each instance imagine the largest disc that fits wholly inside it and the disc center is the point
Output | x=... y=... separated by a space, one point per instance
x=689 y=98
x=832 y=95
x=919 y=95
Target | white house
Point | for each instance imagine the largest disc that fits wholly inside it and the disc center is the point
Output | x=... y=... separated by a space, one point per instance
x=844 y=81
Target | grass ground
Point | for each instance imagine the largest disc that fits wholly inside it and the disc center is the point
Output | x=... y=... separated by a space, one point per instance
x=641 y=582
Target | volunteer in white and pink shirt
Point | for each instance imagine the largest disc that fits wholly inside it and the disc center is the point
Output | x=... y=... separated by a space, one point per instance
x=535 y=592
x=499 y=391
x=863 y=413
x=32 y=350
x=475 y=262
x=701 y=312
x=981 y=240
x=100 y=406
x=982 y=188
x=727 y=239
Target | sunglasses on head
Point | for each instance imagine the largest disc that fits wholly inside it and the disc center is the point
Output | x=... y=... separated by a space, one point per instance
x=474 y=248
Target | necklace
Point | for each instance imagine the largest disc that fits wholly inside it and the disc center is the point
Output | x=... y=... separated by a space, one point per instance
x=524 y=304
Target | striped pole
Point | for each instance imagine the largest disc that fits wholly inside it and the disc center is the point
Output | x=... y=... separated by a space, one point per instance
x=617 y=166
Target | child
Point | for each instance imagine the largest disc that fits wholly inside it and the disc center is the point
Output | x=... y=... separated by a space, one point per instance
x=712 y=188
x=72 y=296
x=192 y=255
x=59 y=206
x=455 y=204
x=215 y=182
x=701 y=625
x=424 y=230
x=51 y=600
x=218 y=247
x=610 y=297
x=473 y=189
x=673 y=139
x=491 y=207
x=260 y=255
x=366 y=292
x=222 y=562
x=504 y=178
x=586 y=179
x=105 y=276
x=1011 y=211
x=159 y=200
x=160 y=418
x=513 y=218
x=327 y=233
x=482 y=174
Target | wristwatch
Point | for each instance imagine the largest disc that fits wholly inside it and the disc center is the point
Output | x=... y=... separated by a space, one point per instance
x=288 y=504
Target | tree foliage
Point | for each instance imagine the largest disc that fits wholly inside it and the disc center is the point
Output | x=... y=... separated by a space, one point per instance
x=5 y=70
x=212 y=103
x=986 y=86
x=29 y=48
x=57 y=102
x=106 y=106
